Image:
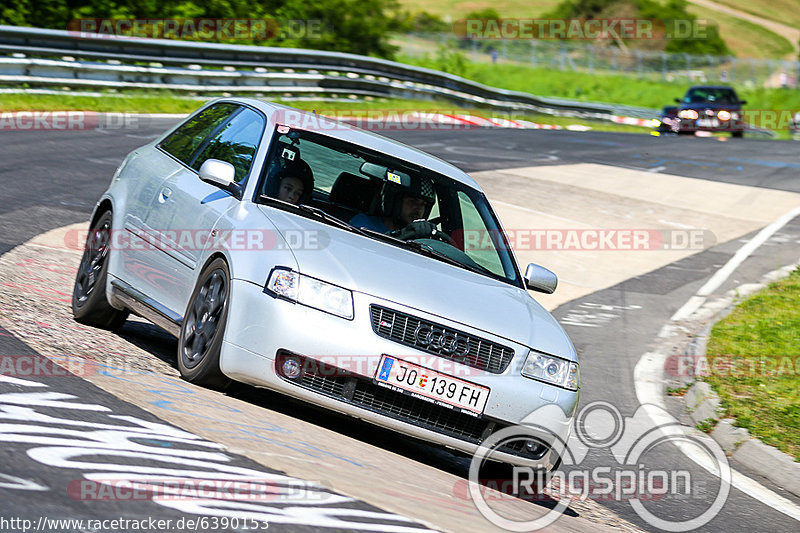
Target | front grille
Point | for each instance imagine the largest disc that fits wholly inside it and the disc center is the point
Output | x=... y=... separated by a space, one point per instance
x=400 y=327
x=363 y=392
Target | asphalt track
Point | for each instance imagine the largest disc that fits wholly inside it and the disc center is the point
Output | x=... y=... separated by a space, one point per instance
x=51 y=179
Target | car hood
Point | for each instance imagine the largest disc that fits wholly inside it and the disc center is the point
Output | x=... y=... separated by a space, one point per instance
x=388 y=272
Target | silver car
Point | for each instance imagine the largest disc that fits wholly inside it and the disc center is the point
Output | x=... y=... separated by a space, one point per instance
x=274 y=245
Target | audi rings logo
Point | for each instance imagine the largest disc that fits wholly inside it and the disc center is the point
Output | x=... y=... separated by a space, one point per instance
x=439 y=340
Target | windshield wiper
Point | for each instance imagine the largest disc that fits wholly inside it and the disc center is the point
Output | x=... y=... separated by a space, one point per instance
x=425 y=249
x=311 y=210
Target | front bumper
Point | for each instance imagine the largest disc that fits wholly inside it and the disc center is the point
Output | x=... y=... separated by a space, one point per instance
x=260 y=327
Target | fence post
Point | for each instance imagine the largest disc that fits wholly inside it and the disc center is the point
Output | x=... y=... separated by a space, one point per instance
x=663 y=66
x=533 y=52
x=474 y=50
x=639 y=63
x=562 y=57
x=614 y=63
x=590 y=62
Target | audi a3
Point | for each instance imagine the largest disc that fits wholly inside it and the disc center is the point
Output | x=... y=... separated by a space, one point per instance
x=299 y=254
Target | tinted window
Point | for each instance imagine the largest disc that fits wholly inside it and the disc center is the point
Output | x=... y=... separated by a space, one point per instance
x=192 y=134
x=710 y=94
x=235 y=143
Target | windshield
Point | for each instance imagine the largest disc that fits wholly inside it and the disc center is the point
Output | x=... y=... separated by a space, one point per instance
x=717 y=95
x=386 y=199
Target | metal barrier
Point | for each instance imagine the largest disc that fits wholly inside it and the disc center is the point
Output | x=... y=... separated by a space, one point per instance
x=43 y=57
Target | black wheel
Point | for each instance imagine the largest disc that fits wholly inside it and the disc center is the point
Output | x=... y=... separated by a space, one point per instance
x=204 y=326
x=737 y=134
x=89 y=303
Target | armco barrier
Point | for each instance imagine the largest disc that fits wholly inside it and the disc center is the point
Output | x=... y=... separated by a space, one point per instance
x=43 y=57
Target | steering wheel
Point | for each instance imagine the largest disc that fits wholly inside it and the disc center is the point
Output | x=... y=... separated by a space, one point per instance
x=442 y=236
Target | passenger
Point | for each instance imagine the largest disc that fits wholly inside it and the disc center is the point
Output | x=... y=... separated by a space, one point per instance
x=403 y=210
x=291 y=189
x=293 y=183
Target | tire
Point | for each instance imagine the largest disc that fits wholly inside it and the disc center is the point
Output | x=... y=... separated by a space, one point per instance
x=203 y=328
x=737 y=134
x=89 y=303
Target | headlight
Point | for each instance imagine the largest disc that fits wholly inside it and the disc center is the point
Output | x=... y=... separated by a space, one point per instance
x=553 y=370
x=691 y=114
x=724 y=115
x=311 y=292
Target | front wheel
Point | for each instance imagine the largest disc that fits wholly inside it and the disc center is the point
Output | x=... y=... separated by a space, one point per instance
x=203 y=327
x=89 y=303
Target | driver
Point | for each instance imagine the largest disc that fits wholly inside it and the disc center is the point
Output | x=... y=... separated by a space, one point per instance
x=402 y=211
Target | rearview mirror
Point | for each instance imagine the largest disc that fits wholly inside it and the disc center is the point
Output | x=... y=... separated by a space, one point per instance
x=373 y=171
x=538 y=278
x=381 y=172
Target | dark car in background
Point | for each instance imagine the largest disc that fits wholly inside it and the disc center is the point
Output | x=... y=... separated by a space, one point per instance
x=704 y=108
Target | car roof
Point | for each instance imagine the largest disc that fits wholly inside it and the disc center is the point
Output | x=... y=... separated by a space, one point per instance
x=711 y=87
x=366 y=139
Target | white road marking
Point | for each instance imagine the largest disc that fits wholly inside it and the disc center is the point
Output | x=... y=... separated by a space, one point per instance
x=694 y=303
x=648 y=378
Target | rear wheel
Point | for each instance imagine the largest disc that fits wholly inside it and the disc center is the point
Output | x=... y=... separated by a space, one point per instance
x=89 y=303
x=737 y=134
x=203 y=327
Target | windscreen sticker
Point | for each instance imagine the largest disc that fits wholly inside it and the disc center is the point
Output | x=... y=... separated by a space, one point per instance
x=288 y=154
x=391 y=176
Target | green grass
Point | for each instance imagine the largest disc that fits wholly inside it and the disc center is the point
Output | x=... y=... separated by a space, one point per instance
x=458 y=9
x=156 y=103
x=609 y=88
x=784 y=11
x=754 y=362
x=110 y=103
x=743 y=37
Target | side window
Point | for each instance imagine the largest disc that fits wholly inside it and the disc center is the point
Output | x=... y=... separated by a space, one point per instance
x=235 y=143
x=184 y=141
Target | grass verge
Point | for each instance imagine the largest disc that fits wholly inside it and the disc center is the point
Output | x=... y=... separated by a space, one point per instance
x=165 y=103
x=754 y=363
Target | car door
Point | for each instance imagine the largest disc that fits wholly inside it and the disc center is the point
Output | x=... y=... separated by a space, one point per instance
x=143 y=266
x=189 y=208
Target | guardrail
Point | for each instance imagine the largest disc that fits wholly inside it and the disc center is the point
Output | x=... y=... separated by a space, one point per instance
x=43 y=57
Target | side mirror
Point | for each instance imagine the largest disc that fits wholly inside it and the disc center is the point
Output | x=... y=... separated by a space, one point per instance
x=742 y=102
x=677 y=100
x=221 y=174
x=538 y=278
x=217 y=173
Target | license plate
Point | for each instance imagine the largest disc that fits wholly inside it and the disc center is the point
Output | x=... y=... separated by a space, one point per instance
x=708 y=122
x=432 y=386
